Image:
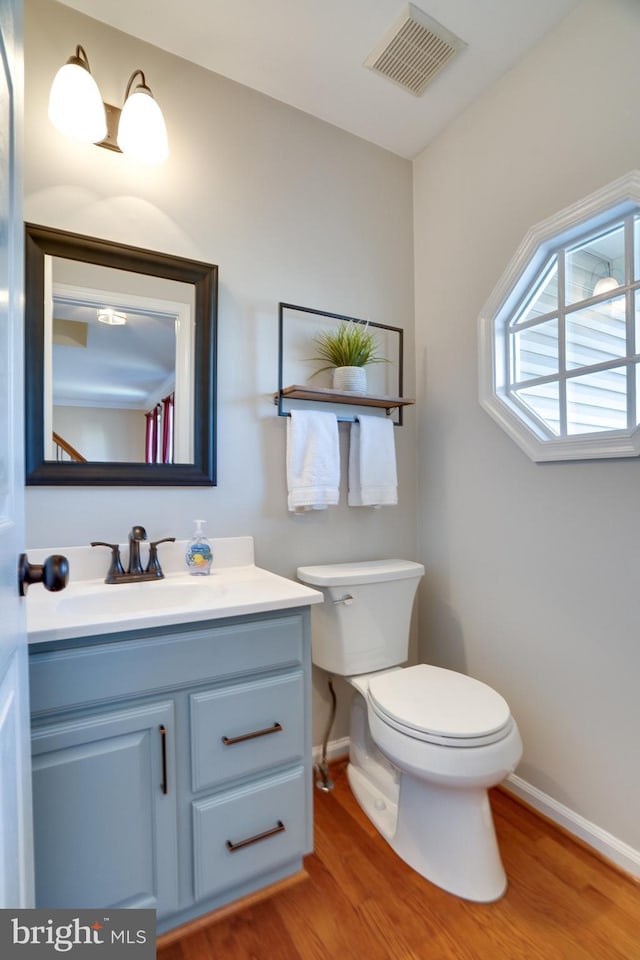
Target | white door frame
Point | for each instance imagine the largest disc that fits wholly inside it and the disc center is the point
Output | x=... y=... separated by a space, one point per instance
x=16 y=832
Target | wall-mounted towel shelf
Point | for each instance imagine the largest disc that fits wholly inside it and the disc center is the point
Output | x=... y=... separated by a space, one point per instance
x=327 y=395
x=296 y=392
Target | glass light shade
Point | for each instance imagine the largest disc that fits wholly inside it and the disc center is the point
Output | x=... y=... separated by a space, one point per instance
x=75 y=104
x=605 y=285
x=142 y=133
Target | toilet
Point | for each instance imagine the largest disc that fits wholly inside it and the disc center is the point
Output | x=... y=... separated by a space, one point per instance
x=425 y=743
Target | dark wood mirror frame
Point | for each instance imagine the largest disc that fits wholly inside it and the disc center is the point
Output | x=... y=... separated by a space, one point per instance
x=46 y=241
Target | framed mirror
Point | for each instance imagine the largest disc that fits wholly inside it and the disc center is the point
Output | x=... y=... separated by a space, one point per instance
x=120 y=363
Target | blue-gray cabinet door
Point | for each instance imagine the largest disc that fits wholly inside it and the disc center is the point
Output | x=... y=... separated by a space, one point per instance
x=104 y=793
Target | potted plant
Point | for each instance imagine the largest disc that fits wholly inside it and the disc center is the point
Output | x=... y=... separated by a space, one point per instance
x=347 y=351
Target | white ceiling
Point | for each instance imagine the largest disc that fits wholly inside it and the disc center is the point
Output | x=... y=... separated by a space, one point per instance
x=310 y=53
x=131 y=367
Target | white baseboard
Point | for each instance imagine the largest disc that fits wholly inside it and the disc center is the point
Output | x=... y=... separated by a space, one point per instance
x=336 y=749
x=619 y=853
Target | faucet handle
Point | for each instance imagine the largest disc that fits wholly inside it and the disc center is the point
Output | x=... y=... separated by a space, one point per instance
x=115 y=569
x=153 y=566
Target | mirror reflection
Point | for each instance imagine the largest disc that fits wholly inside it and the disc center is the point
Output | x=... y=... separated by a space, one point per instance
x=118 y=351
x=119 y=363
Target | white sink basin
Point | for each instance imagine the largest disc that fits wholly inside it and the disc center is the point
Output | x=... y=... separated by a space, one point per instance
x=128 y=598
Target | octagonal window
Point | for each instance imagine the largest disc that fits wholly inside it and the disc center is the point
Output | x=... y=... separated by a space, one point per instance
x=560 y=335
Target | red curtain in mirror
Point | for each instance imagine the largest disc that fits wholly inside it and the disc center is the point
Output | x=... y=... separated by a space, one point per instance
x=159 y=432
x=151 y=435
x=167 y=429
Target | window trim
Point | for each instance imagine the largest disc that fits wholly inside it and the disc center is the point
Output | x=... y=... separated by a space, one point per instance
x=607 y=205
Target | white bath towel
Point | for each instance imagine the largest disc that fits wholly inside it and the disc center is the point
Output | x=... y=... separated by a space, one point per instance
x=373 y=480
x=313 y=460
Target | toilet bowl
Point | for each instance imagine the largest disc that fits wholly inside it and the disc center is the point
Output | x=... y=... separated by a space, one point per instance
x=425 y=743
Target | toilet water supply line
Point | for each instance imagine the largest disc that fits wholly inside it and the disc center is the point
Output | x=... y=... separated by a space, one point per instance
x=325 y=783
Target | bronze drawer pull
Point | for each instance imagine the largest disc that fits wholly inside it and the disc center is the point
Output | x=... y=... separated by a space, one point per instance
x=229 y=741
x=163 y=742
x=232 y=847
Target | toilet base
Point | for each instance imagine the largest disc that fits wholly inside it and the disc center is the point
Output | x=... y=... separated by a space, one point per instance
x=448 y=836
x=445 y=835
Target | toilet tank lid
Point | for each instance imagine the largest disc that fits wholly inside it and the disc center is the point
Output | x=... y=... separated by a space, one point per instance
x=365 y=571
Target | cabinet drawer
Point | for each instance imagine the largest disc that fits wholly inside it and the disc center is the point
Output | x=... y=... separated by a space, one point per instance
x=245 y=728
x=241 y=834
x=158 y=660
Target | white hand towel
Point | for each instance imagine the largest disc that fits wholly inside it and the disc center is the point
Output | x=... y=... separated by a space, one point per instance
x=373 y=479
x=313 y=460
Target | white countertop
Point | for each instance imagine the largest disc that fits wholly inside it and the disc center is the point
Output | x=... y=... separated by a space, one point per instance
x=89 y=607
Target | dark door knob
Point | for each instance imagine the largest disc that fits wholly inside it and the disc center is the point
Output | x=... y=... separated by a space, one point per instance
x=53 y=574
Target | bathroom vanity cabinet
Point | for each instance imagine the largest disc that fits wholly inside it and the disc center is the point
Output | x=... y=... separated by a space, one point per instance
x=172 y=766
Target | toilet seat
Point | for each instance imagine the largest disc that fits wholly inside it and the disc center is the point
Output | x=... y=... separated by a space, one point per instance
x=440 y=706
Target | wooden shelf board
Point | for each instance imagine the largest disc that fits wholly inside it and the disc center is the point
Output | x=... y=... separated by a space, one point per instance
x=296 y=392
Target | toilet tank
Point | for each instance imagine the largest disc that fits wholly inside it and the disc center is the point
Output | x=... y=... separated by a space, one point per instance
x=363 y=624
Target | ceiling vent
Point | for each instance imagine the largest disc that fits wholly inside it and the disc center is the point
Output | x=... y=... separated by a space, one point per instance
x=414 y=50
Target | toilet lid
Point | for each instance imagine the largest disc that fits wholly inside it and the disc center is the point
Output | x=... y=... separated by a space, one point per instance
x=431 y=703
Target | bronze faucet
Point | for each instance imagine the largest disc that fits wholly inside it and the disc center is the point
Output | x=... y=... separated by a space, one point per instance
x=136 y=535
x=135 y=572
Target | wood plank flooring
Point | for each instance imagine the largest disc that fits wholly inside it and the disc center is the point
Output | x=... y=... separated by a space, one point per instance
x=361 y=901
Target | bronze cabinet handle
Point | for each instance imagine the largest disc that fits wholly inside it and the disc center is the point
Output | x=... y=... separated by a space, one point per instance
x=229 y=741
x=232 y=847
x=163 y=744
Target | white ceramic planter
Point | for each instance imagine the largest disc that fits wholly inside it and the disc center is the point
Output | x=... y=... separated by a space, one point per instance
x=350 y=379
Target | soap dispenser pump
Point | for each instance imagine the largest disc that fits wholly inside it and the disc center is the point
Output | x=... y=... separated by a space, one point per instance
x=199 y=555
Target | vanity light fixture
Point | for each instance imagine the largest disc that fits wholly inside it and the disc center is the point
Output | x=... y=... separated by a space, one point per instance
x=76 y=109
x=141 y=130
x=112 y=317
x=75 y=104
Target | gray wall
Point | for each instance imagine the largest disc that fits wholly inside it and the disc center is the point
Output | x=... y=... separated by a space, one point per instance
x=291 y=209
x=533 y=570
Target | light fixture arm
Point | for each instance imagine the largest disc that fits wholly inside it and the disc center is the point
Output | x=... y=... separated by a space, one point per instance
x=80 y=59
x=142 y=85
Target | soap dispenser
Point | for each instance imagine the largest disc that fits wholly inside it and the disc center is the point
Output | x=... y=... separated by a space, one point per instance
x=199 y=556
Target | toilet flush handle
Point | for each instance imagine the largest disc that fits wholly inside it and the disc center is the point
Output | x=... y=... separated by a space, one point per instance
x=347 y=599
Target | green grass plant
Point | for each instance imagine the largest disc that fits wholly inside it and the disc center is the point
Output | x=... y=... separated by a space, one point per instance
x=351 y=345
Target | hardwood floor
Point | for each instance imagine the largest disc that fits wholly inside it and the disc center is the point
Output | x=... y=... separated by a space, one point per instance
x=361 y=901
